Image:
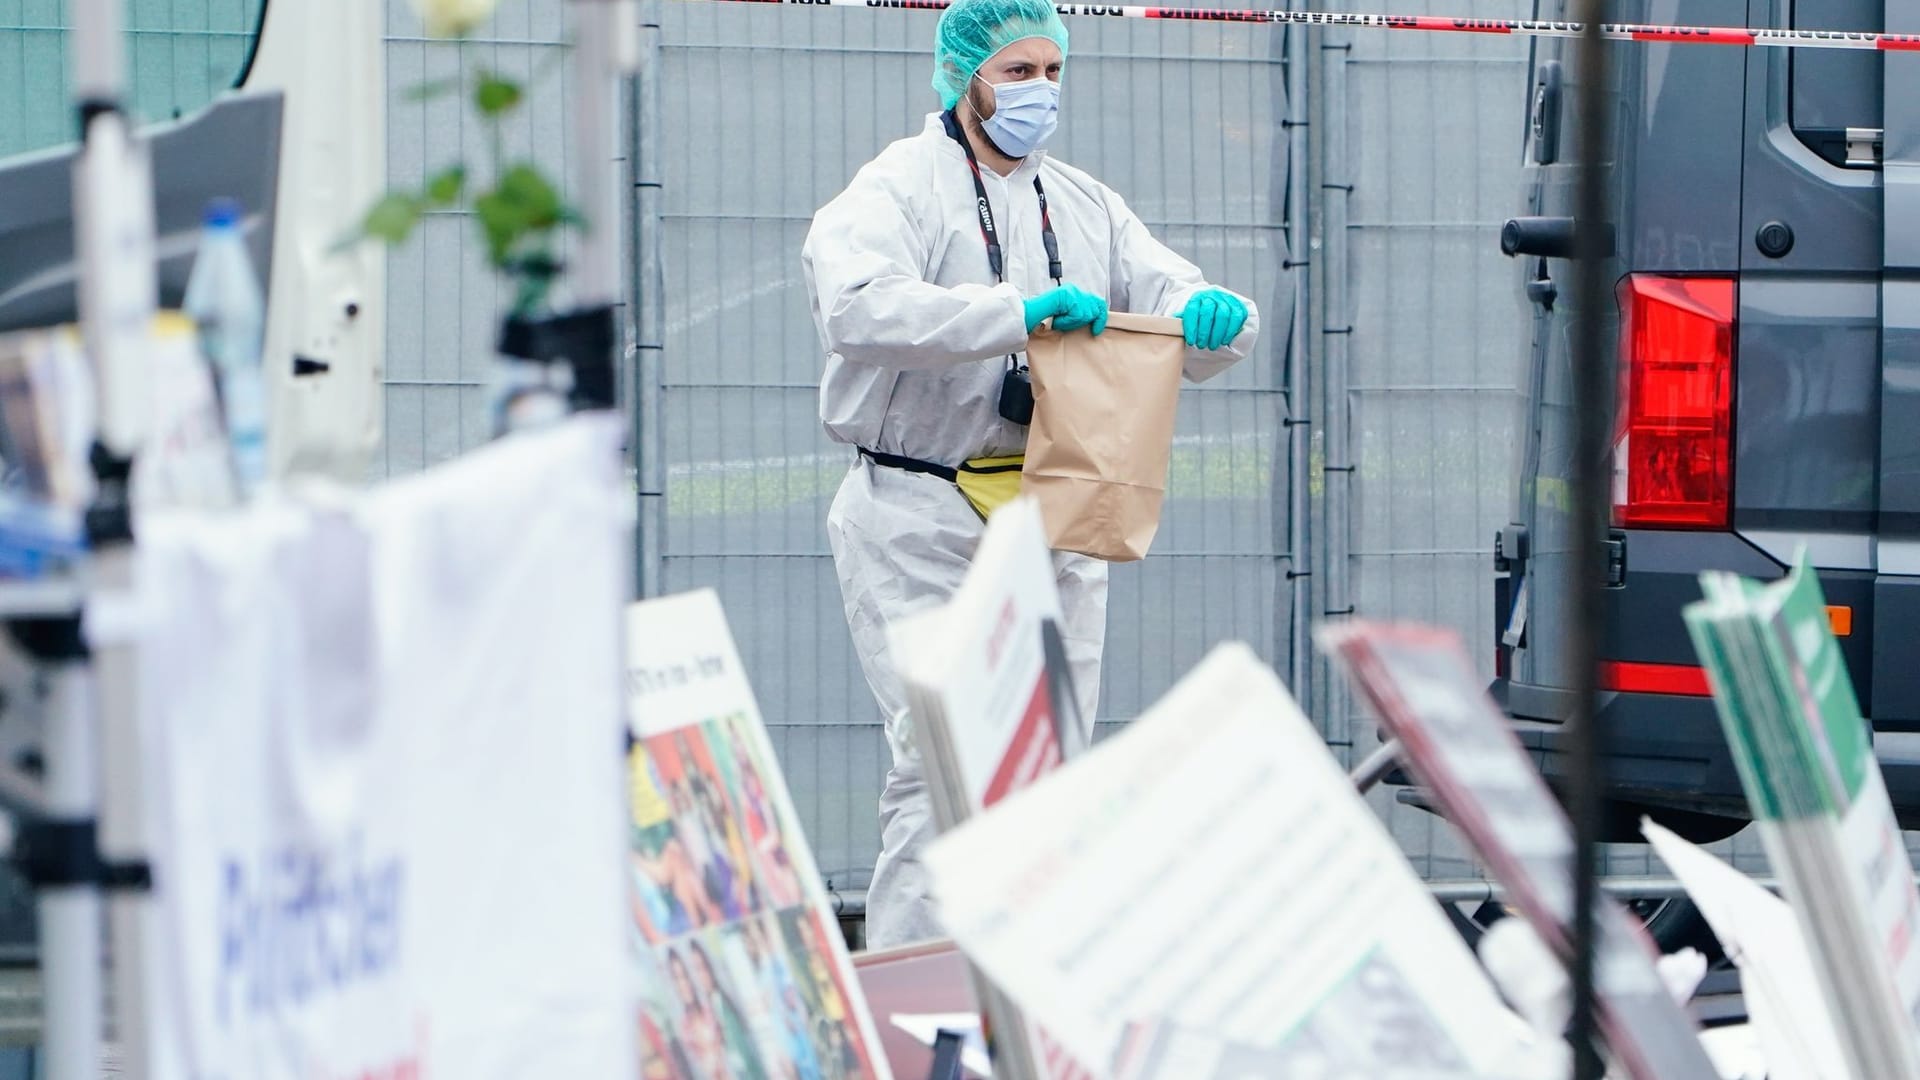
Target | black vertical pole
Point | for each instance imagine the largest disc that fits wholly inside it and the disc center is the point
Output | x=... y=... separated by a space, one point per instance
x=1593 y=380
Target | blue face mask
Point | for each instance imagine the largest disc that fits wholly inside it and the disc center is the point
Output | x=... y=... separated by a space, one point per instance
x=1025 y=115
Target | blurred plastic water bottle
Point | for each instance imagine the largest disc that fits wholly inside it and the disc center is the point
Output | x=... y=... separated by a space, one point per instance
x=225 y=302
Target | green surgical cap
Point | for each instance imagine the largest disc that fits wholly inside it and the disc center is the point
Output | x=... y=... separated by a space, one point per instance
x=971 y=31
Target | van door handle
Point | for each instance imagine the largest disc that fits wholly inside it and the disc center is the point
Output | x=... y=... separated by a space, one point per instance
x=1541 y=289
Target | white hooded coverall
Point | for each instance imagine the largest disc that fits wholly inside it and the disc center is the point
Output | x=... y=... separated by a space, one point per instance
x=916 y=335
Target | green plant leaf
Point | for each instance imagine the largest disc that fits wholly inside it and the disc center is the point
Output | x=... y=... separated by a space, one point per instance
x=496 y=95
x=392 y=218
x=503 y=223
x=522 y=206
x=427 y=91
x=527 y=188
x=445 y=186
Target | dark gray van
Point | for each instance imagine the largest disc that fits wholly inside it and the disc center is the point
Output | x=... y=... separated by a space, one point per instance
x=1765 y=209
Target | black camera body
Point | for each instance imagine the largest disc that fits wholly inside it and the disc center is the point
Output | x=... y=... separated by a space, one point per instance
x=1016 y=396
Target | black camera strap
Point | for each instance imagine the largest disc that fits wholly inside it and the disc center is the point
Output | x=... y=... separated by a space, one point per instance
x=988 y=232
x=995 y=255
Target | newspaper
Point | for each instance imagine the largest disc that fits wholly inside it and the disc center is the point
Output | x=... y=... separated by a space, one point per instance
x=1806 y=760
x=742 y=967
x=1207 y=886
x=1463 y=750
x=994 y=711
x=976 y=667
x=1777 y=979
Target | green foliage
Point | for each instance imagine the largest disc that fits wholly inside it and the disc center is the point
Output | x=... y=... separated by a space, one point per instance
x=445 y=186
x=520 y=214
x=495 y=96
x=392 y=218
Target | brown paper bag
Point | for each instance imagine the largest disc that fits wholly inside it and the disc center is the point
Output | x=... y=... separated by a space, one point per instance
x=1102 y=431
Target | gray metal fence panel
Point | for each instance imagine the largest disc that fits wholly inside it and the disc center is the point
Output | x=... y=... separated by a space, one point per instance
x=1432 y=126
x=767 y=113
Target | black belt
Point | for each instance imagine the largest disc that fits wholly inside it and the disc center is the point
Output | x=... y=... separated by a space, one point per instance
x=914 y=465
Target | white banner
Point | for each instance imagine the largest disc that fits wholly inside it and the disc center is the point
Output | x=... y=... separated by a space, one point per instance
x=384 y=738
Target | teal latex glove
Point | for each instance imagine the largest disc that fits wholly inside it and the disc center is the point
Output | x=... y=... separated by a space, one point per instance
x=1070 y=307
x=1212 y=318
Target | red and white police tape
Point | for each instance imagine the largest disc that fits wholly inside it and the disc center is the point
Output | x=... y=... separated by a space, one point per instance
x=1698 y=35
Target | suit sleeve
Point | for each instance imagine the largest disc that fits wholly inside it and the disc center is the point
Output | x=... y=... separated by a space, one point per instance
x=866 y=263
x=1149 y=278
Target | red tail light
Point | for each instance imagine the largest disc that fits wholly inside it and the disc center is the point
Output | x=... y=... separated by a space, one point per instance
x=1673 y=448
x=1680 y=679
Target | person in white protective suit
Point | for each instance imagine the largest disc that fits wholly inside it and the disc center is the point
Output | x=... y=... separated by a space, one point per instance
x=926 y=277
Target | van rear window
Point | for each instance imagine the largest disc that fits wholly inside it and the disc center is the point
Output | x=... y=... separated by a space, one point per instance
x=180 y=55
x=1834 y=90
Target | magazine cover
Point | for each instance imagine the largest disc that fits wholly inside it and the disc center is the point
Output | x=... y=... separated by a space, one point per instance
x=744 y=974
x=1462 y=749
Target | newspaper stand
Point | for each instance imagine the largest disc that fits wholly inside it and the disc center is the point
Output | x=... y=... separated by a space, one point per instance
x=78 y=840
